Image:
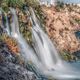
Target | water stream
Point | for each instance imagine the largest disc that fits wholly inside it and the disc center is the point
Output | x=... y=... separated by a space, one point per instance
x=27 y=52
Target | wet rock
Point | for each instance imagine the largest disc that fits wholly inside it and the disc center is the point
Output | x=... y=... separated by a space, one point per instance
x=5 y=53
x=1 y=30
x=9 y=71
x=10 y=68
x=77 y=54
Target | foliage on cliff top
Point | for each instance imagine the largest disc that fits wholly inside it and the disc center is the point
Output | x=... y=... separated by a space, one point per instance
x=18 y=3
x=12 y=3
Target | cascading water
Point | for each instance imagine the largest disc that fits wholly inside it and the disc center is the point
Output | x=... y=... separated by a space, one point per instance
x=16 y=34
x=26 y=50
x=42 y=42
x=48 y=61
x=48 y=54
x=2 y=26
x=14 y=25
x=7 y=26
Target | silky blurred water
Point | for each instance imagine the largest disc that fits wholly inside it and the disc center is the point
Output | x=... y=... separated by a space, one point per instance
x=77 y=34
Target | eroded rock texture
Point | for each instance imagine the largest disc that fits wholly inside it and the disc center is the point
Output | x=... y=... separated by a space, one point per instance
x=10 y=67
x=61 y=26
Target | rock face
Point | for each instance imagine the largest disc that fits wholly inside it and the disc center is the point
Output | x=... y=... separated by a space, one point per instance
x=62 y=25
x=10 y=69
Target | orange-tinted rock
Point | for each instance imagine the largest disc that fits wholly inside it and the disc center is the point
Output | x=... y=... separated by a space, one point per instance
x=12 y=45
x=61 y=26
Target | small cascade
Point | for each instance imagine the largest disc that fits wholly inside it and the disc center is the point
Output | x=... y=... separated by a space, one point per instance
x=5 y=23
x=16 y=34
x=7 y=26
x=14 y=24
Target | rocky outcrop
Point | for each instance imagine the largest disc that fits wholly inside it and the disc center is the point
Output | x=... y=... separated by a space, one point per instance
x=10 y=66
x=62 y=25
x=9 y=71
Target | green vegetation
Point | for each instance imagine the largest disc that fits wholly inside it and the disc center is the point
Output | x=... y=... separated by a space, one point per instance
x=12 y=3
x=3 y=36
x=68 y=56
x=26 y=32
x=32 y=3
x=59 y=6
x=5 y=4
x=18 y=3
x=39 y=14
x=77 y=20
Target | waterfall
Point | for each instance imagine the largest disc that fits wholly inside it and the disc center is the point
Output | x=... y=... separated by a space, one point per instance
x=43 y=45
x=27 y=52
x=14 y=24
x=48 y=61
x=42 y=50
x=48 y=54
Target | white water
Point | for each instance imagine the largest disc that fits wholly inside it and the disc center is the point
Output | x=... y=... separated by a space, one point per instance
x=43 y=44
x=7 y=26
x=27 y=52
x=49 y=55
x=14 y=25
